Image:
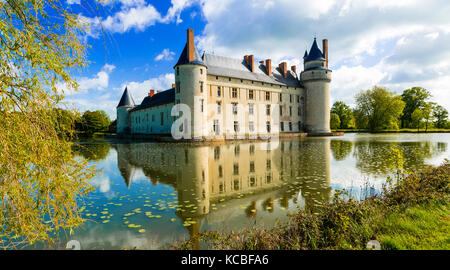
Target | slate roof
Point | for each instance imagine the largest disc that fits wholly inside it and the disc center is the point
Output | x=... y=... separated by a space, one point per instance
x=126 y=99
x=238 y=68
x=314 y=53
x=184 y=58
x=161 y=98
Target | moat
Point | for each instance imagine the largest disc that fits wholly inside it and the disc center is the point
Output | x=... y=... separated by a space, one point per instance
x=150 y=195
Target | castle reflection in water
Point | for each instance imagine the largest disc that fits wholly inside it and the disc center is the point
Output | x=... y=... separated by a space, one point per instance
x=233 y=174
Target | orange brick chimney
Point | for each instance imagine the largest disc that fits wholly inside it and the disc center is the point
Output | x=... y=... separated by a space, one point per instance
x=190 y=44
x=325 y=51
x=152 y=92
x=251 y=62
x=173 y=85
x=269 y=67
x=283 y=67
x=294 y=69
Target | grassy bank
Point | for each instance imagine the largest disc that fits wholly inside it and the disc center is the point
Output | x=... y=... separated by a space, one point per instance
x=410 y=213
x=402 y=130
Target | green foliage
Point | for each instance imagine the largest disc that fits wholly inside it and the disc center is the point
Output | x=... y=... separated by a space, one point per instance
x=335 y=122
x=40 y=180
x=95 y=121
x=340 y=149
x=378 y=109
x=441 y=116
x=414 y=98
x=344 y=112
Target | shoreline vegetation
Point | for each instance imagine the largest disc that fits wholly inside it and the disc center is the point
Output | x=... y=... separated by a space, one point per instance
x=411 y=212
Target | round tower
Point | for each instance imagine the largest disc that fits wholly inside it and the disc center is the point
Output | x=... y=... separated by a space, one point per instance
x=190 y=86
x=126 y=103
x=316 y=79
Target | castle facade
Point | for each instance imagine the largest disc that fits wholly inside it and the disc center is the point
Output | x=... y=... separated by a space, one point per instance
x=227 y=97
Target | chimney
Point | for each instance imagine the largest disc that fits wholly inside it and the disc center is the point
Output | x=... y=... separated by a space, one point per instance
x=190 y=44
x=269 y=67
x=158 y=92
x=283 y=67
x=173 y=85
x=152 y=92
x=261 y=62
x=251 y=62
x=325 y=51
x=246 y=59
x=294 y=69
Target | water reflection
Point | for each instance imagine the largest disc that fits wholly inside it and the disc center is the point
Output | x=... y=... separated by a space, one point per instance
x=229 y=186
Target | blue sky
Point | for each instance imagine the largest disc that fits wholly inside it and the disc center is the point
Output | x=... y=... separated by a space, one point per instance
x=135 y=43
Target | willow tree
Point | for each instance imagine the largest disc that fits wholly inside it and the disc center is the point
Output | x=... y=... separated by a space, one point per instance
x=41 y=47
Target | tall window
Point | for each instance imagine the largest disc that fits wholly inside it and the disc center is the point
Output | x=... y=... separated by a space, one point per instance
x=281 y=110
x=216 y=127
x=250 y=94
x=251 y=108
x=236 y=126
x=235 y=169
x=201 y=71
x=177 y=87
x=252 y=166
x=290 y=98
x=268 y=126
x=219 y=107
x=234 y=93
x=218 y=91
x=282 y=126
x=252 y=149
x=251 y=126
x=178 y=71
x=235 y=108
x=201 y=105
x=268 y=109
x=290 y=126
x=267 y=95
x=290 y=110
x=201 y=87
x=281 y=97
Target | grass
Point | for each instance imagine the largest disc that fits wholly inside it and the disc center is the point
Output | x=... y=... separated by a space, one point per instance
x=418 y=227
x=412 y=212
x=402 y=130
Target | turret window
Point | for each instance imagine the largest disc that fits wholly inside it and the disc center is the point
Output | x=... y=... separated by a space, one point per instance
x=201 y=87
x=201 y=71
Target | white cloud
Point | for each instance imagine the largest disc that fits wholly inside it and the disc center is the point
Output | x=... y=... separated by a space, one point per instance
x=166 y=54
x=99 y=82
x=72 y=2
x=138 y=18
x=140 y=89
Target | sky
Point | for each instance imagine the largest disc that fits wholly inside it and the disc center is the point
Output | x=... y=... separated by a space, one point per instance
x=135 y=43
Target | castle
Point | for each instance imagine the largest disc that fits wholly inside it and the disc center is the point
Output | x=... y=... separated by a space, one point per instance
x=230 y=97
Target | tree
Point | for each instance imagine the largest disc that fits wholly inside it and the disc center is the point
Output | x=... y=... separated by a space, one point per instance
x=334 y=121
x=416 y=118
x=441 y=116
x=378 y=109
x=428 y=113
x=94 y=122
x=414 y=98
x=40 y=180
x=344 y=112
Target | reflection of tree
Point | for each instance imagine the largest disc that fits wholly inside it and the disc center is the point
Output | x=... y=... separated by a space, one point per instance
x=92 y=151
x=372 y=156
x=340 y=149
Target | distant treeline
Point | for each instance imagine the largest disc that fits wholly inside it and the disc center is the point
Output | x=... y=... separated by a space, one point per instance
x=75 y=124
x=380 y=109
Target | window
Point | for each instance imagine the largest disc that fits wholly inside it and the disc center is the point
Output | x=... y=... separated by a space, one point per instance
x=216 y=127
x=290 y=110
x=290 y=126
x=299 y=111
x=268 y=126
x=250 y=94
x=235 y=108
x=218 y=91
x=281 y=97
x=220 y=171
x=298 y=99
x=216 y=152
x=178 y=71
x=236 y=126
x=290 y=98
x=252 y=166
x=252 y=149
x=282 y=126
x=268 y=178
x=201 y=105
x=268 y=164
x=177 y=87
x=162 y=118
x=268 y=109
x=201 y=71
x=281 y=110
x=252 y=181
x=234 y=93
x=236 y=169
x=267 y=95
x=236 y=184
x=251 y=126
x=201 y=87
x=251 y=108
x=219 y=107
x=237 y=150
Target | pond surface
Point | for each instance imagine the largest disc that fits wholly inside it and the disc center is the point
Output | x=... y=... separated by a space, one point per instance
x=150 y=195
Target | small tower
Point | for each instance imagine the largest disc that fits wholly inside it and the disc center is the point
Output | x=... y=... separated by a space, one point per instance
x=316 y=78
x=190 y=86
x=126 y=103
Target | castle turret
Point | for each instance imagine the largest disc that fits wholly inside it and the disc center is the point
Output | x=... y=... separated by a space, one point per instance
x=126 y=103
x=190 y=86
x=316 y=79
